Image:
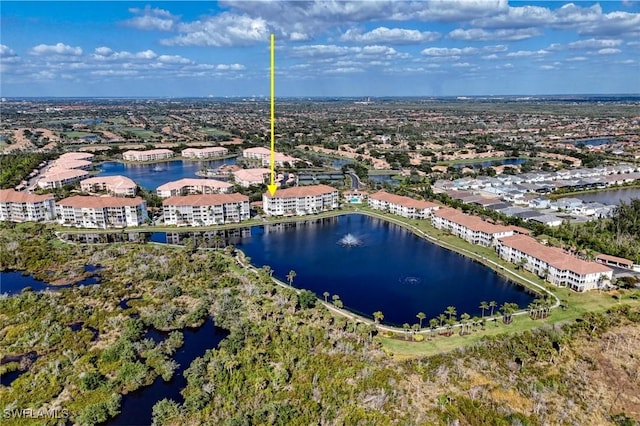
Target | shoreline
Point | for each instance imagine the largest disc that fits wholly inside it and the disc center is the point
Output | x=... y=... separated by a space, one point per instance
x=166 y=160
x=633 y=185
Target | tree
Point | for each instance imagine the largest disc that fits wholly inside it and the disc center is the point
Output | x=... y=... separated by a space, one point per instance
x=451 y=311
x=464 y=319
x=433 y=323
x=378 y=316
x=326 y=295
x=306 y=299
x=290 y=276
x=421 y=316
x=492 y=305
x=406 y=328
x=484 y=305
x=442 y=318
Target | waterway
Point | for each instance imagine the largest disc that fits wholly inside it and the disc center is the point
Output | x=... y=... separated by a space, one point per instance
x=151 y=176
x=137 y=406
x=503 y=162
x=14 y=282
x=389 y=269
x=609 y=197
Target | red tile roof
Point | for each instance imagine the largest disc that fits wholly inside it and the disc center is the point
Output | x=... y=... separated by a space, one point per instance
x=302 y=191
x=553 y=256
x=205 y=200
x=83 y=201
x=402 y=201
x=12 y=196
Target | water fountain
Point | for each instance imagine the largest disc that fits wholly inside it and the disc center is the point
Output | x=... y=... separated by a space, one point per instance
x=349 y=240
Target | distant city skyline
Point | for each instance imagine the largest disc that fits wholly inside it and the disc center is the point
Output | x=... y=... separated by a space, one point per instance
x=323 y=48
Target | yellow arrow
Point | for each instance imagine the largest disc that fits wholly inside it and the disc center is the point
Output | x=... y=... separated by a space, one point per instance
x=272 y=185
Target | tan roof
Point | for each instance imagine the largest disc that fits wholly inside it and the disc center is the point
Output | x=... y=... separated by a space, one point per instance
x=251 y=175
x=470 y=222
x=84 y=201
x=553 y=256
x=70 y=163
x=205 y=200
x=62 y=175
x=402 y=201
x=75 y=156
x=619 y=260
x=117 y=181
x=181 y=183
x=12 y=196
x=302 y=191
x=148 y=152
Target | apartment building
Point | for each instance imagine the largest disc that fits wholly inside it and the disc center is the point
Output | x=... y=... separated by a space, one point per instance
x=58 y=179
x=470 y=228
x=150 y=155
x=205 y=209
x=248 y=177
x=120 y=186
x=553 y=264
x=300 y=200
x=200 y=153
x=402 y=206
x=188 y=186
x=101 y=212
x=18 y=206
x=264 y=155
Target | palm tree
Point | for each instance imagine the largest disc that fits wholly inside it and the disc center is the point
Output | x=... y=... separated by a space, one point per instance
x=421 y=316
x=464 y=319
x=442 y=318
x=290 y=276
x=416 y=328
x=406 y=328
x=492 y=305
x=433 y=323
x=484 y=305
x=378 y=316
x=326 y=295
x=451 y=311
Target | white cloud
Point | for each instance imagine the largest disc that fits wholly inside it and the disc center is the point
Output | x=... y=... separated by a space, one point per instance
x=323 y=51
x=547 y=67
x=527 y=53
x=389 y=36
x=517 y=17
x=152 y=19
x=55 y=49
x=577 y=58
x=594 y=44
x=449 y=51
x=478 y=34
x=173 y=59
x=225 y=29
x=608 y=51
x=230 y=67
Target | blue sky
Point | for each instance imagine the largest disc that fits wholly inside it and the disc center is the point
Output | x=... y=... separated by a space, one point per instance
x=323 y=48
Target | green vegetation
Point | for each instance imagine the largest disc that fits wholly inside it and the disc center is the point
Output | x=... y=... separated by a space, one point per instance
x=289 y=360
x=14 y=168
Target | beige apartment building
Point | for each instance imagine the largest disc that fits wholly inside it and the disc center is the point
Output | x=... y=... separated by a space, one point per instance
x=101 y=212
x=402 y=206
x=300 y=200
x=16 y=206
x=205 y=209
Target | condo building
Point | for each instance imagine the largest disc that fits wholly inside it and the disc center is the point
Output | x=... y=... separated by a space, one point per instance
x=264 y=155
x=199 y=153
x=553 y=264
x=150 y=155
x=470 y=228
x=101 y=212
x=300 y=200
x=58 y=179
x=188 y=186
x=205 y=209
x=402 y=206
x=18 y=206
x=248 y=177
x=120 y=186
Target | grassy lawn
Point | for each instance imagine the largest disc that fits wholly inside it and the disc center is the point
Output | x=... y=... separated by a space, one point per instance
x=75 y=134
x=211 y=131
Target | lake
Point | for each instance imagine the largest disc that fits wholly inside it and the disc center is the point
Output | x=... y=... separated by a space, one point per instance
x=389 y=269
x=503 y=162
x=151 y=176
x=13 y=282
x=610 y=197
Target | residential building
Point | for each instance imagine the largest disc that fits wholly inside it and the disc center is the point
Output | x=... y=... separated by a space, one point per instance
x=248 y=177
x=192 y=186
x=18 y=206
x=264 y=155
x=68 y=164
x=150 y=155
x=470 y=228
x=552 y=263
x=210 y=152
x=402 y=206
x=300 y=200
x=101 y=212
x=75 y=156
x=58 y=179
x=120 y=186
x=205 y=209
